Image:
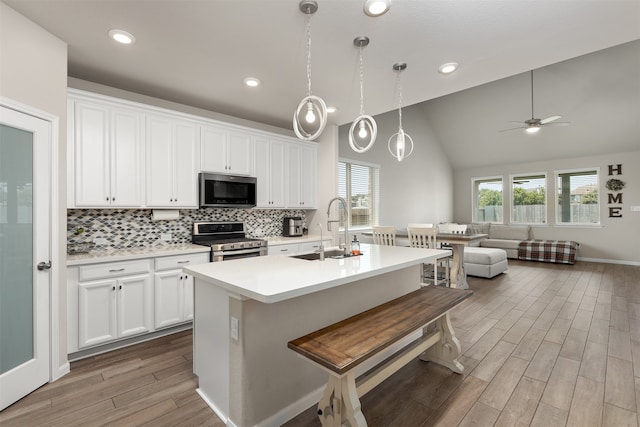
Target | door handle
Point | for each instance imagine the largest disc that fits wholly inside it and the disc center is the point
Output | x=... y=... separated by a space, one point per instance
x=44 y=265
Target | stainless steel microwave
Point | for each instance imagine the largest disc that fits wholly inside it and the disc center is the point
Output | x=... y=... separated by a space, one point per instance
x=227 y=191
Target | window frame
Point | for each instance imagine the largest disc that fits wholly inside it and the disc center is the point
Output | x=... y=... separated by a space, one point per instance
x=474 y=197
x=536 y=175
x=558 y=222
x=374 y=192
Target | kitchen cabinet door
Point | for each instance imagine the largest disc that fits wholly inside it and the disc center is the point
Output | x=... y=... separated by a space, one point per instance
x=186 y=149
x=168 y=298
x=239 y=152
x=134 y=305
x=308 y=177
x=172 y=163
x=270 y=172
x=91 y=155
x=106 y=157
x=226 y=151
x=126 y=158
x=302 y=179
x=97 y=312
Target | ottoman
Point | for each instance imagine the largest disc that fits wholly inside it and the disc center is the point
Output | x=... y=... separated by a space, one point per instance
x=484 y=262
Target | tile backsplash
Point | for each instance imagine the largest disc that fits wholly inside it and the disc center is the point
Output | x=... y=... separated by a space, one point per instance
x=134 y=228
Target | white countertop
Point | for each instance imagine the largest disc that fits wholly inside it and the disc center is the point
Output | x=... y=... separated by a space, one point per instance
x=110 y=255
x=271 y=278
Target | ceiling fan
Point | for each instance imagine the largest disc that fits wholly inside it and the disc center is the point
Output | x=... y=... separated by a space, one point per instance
x=533 y=125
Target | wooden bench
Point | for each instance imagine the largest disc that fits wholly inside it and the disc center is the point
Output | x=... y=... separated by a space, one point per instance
x=340 y=347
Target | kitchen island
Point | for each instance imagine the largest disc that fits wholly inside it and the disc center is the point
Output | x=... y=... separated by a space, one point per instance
x=247 y=310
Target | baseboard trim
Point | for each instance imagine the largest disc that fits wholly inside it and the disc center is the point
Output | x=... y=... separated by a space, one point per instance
x=94 y=351
x=609 y=261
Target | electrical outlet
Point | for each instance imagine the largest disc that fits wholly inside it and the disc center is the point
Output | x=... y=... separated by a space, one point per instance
x=635 y=208
x=235 y=328
x=166 y=237
x=98 y=240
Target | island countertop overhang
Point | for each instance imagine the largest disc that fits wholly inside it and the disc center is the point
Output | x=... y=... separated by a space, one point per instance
x=274 y=278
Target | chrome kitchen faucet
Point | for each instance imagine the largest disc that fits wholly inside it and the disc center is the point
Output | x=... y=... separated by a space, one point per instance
x=346 y=223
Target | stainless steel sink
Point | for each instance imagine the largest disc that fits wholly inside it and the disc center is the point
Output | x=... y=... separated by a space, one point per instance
x=335 y=254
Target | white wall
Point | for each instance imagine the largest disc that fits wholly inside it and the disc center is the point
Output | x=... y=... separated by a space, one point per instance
x=418 y=189
x=617 y=240
x=33 y=71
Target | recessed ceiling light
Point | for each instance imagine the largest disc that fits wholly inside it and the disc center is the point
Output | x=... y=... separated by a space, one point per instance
x=376 y=7
x=122 y=36
x=331 y=109
x=448 y=68
x=252 y=81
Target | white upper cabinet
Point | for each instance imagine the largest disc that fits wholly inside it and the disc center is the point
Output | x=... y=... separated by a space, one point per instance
x=106 y=157
x=303 y=159
x=226 y=151
x=270 y=172
x=172 y=147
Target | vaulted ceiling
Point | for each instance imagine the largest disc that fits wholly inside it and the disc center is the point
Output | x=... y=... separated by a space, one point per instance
x=198 y=53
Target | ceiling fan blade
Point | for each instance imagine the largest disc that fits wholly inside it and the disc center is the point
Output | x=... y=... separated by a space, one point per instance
x=550 y=119
x=519 y=127
x=558 y=124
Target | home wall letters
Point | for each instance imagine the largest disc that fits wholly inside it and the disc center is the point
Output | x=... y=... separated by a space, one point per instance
x=614 y=184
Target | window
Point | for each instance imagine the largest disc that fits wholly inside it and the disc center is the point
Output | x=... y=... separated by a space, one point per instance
x=577 y=199
x=529 y=199
x=358 y=183
x=487 y=199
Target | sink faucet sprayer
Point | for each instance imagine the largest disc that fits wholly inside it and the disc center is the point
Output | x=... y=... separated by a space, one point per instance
x=346 y=223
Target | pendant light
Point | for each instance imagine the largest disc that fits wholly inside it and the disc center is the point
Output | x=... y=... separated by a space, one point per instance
x=398 y=141
x=367 y=129
x=310 y=117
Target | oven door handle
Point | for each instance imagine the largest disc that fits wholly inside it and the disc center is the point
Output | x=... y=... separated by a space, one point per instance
x=240 y=252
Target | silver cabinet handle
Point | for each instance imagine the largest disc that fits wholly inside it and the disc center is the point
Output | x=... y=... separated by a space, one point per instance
x=183 y=262
x=44 y=265
x=116 y=270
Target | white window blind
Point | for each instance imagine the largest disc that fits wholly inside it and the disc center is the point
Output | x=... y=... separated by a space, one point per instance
x=358 y=183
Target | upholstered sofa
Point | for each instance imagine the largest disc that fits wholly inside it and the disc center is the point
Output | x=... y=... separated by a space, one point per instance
x=517 y=242
x=506 y=237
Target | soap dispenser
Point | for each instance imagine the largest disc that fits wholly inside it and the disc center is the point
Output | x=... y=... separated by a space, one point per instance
x=355 y=246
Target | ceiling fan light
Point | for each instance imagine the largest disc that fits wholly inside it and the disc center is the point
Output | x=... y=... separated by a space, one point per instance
x=532 y=129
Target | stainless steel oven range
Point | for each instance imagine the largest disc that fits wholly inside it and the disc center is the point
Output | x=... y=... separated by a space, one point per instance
x=227 y=240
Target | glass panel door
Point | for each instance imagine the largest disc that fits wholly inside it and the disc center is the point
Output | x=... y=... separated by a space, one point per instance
x=16 y=247
x=25 y=253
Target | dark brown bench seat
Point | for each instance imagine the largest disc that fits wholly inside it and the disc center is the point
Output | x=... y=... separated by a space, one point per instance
x=340 y=347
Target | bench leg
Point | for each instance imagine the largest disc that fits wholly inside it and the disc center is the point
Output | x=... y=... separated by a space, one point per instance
x=340 y=404
x=446 y=351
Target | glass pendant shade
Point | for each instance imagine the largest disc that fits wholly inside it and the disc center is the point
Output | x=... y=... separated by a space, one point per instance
x=310 y=118
x=364 y=130
x=398 y=142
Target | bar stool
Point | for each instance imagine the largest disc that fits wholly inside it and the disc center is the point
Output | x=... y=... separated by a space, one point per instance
x=425 y=236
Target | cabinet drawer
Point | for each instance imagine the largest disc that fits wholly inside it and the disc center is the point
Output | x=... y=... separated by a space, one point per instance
x=115 y=269
x=290 y=249
x=179 y=261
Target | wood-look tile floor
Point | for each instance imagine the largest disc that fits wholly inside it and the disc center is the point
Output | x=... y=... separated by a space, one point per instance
x=544 y=345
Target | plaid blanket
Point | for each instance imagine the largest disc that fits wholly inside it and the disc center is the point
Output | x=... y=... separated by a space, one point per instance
x=558 y=251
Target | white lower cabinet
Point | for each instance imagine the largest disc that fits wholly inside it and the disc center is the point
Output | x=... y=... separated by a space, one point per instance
x=174 y=289
x=111 y=301
x=110 y=309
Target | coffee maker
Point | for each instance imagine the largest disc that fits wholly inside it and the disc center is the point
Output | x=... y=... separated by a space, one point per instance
x=292 y=226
